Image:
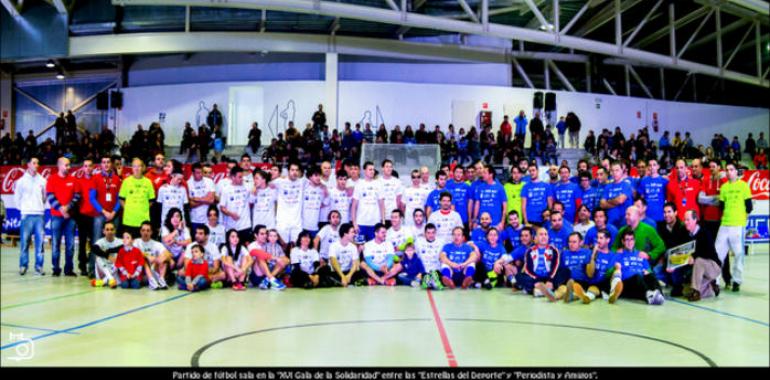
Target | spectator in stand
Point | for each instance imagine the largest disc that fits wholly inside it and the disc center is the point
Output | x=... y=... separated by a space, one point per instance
x=761 y=142
x=573 y=125
x=561 y=128
x=751 y=145
x=760 y=160
x=506 y=130
x=319 y=118
x=187 y=138
x=736 y=147
x=536 y=128
x=521 y=126
x=590 y=144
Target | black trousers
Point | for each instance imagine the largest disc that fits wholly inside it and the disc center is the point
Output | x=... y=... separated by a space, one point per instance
x=638 y=285
x=85 y=235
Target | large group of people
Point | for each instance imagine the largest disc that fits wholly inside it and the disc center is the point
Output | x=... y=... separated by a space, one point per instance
x=562 y=233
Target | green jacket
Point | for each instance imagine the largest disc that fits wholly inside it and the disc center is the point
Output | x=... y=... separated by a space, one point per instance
x=647 y=240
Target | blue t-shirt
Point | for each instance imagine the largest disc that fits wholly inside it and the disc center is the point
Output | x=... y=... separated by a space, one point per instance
x=489 y=254
x=590 y=239
x=604 y=262
x=559 y=239
x=513 y=236
x=568 y=194
x=536 y=195
x=631 y=264
x=457 y=253
x=654 y=192
x=617 y=215
x=591 y=197
x=433 y=200
x=491 y=198
x=461 y=195
x=576 y=263
x=479 y=235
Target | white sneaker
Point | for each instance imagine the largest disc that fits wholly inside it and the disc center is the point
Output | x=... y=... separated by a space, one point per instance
x=153 y=284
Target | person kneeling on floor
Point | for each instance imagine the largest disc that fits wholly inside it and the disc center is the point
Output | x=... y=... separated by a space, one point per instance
x=343 y=255
x=543 y=274
x=459 y=261
x=104 y=253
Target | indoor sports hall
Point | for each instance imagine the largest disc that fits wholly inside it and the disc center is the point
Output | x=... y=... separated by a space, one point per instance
x=384 y=183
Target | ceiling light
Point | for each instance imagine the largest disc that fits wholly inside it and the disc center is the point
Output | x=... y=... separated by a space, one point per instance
x=50 y=64
x=60 y=76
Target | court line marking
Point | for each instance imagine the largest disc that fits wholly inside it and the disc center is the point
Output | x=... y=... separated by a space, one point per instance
x=101 y=320
x=450 y=356
x=195 y=359
x=36 y=328
x=705 y=358
x=44 y=300
x=720 y=312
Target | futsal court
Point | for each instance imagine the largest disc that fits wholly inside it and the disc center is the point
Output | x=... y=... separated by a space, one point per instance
x=72 y=324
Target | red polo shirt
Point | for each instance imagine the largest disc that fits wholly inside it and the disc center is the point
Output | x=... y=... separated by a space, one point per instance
x=63 y=188
x=84 y=187
x=684 y=194
x=107 y=189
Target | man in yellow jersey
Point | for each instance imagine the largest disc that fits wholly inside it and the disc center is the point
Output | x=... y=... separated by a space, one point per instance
x=735 y=200
x=136 y=195
x=513 y=190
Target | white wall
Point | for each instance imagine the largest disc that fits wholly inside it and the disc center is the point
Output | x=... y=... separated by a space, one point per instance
x=413 y=103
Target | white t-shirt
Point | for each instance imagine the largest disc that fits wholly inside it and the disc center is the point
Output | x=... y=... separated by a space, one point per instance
x=413 y=198
x=263 y=211
x=338 y=200
x=224 y=182
x=368 y=194
x=172 y=196
x=289 y=198
x=328 y=235
x=248 y=181
x=115 y=243
x=429 y=253
x=579 y=227
x=305 y=259
x=331 y=182
x=216 y=234
x=398 y=238
x=149 y=248
x=236 y=199
x=430 y=186
x=345 y=254
x=445 y=223
x=379 y=252
x=210 y=252
x=351 y=184
x=199 y=189
x=174 y=247
x=311 y=206
x=418 y=231
x=391 y=189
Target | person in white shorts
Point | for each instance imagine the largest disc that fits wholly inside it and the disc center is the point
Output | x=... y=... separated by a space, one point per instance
x=735 y=200
x=289 y=204
x=234 y=205
x=368 y=206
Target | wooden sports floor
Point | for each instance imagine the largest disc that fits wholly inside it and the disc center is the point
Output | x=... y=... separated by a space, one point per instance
x=48 y=321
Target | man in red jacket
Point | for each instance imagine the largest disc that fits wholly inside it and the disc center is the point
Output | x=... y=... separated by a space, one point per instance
x=63 y=196
x=683 y=191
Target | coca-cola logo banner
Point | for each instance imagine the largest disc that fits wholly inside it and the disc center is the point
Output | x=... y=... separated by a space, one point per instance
x=10 y=174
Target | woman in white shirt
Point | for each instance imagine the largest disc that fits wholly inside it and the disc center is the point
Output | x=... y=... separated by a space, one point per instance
x=235 y=259
x=174 y=233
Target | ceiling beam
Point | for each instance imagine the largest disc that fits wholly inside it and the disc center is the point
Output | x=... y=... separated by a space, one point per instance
x=642 y=23
x=464 y=5
x=604 y=16
x=59 y=4
x=695 y=33
x=10 y=7
x=662 y=32
x=724 y=30
x=508 y=32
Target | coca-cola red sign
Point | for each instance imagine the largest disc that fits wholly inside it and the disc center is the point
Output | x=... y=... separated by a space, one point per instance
x=759 y=183
x=10 y=174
